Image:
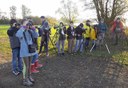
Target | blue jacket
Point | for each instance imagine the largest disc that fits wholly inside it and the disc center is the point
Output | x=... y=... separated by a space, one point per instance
x=23 y=45
x=102 y=27
x=34 y=33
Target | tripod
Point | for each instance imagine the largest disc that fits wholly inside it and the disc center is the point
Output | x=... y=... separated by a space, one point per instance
x=53 y=41
x=98 y=41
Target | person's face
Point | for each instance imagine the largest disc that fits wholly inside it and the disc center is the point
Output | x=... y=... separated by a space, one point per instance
x=118 y=20
x=61 y=24
x=30 y=26
x=42 y=19
x=18 y=27
x=102 y=21
x=25 y=23
x=71 y=25
x=88 y=23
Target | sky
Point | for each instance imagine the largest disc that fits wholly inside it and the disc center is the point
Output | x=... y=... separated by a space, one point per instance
x=45 y=7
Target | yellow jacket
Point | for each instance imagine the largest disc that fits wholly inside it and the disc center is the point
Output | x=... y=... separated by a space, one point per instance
x=93 y=34
x=90 y=32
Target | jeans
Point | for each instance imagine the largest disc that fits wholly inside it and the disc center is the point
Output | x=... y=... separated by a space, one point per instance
x=87 y=42
x=79 y=45
x=34 y=58
x=16 y=60
x=101 y=37
x=61 y=43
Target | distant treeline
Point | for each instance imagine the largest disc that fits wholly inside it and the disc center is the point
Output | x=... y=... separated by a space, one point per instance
x=36 y=20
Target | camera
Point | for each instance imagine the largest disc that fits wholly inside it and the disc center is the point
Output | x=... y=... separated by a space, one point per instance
x=17 y=24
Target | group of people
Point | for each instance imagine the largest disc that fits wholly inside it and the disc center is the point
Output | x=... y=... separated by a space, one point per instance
x=23 y=41
x=79 y=37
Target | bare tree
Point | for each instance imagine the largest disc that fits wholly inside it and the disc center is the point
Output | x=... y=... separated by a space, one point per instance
x=13 y=12
x=2 y=14
x=107 y=9
x=68 y=11
x=25 y=11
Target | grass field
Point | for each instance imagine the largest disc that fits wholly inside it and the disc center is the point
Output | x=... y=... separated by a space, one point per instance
x=5 y=51
x=118 y=53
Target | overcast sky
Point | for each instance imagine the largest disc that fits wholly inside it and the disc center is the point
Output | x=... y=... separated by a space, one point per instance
x=44 y=7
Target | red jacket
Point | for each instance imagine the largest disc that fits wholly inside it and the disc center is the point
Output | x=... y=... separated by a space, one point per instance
x=114 y=26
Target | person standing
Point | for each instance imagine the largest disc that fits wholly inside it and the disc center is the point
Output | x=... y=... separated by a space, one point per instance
x=15 y=46
x=117 y=30
x=102 y=28
x=87 y=33
x=35 y=61
x=79 y=38
x=45 y=32
x=62 y=37
x=26 y=41
x=71 y=37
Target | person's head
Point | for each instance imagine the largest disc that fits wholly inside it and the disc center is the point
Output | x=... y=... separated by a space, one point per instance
x=88 y=22
x=24 y=22
x=96 y=27
x=71 y=24
x=18 y=25
x=102 y=20
x=28 y=25
x=118 y=19
x=81 y=25
x=64 y=28
x=42 y=18
x=13 y=22
x=61 y=24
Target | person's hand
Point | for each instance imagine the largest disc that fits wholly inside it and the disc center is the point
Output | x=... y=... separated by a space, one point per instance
x=78 y=34
x=14 y=24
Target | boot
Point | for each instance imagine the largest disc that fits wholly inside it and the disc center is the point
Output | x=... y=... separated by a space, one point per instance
x=31 y=79
x=33 y=69
x=37 y=65
x=27 y=82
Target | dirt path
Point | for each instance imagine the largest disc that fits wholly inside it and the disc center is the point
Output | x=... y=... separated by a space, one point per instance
x=76 y=72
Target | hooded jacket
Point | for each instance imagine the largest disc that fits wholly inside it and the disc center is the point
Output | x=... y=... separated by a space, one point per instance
x=14 y=41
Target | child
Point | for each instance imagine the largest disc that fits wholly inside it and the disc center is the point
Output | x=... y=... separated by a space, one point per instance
x=15 y=45
x=102 y=30
x=93 y=35
x=62 y=37
x=79 y=38
x=71 y=37
x=87 y=34
x=35 y=62
x=26 y=40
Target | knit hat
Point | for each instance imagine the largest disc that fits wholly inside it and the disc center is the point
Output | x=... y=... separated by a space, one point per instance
x=42 y=17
